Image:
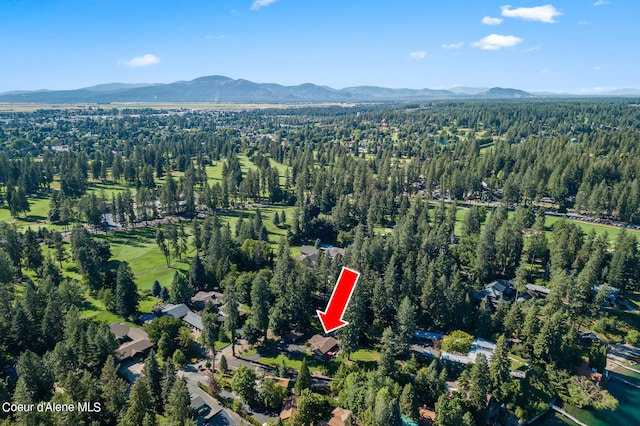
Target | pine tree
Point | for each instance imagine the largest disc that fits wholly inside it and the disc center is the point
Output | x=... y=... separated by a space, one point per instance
x=162 y=244
x=156 y=289
x=113 y=390
x=406 y=324
x=479 y=384
x=164 y=294
x=232 y=316
x=151 y=373
x=197 y=274
x=210 y=327
x=260 y=297
x=169 y=376
x=178 y=409
x=499 y=365
x=304 y=378
x=181 y=291
x=140 y=405
x=408 y=403
x=126 y=296
x=223 y=364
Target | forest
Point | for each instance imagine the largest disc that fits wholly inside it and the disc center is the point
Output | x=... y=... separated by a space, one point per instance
x=109 y=213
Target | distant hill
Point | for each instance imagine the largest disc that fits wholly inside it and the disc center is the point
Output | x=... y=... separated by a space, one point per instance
x=499 y=92
x=462 y=90
x=225 y=89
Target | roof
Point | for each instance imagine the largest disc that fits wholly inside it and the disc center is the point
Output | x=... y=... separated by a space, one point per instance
x=176 y=311
x=322 y=344
x=288 y=407
x=537 y=288
x=429 y=335
x=194 y=320
x=204 y=297
x=308 y=250
x=335 y=251
x=282 y=381
x=120 y=330
x=339 y=416
x=138 y=340
x=133 y=348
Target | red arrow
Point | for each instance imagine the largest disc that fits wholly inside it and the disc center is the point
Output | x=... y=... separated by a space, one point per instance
x=331 y=318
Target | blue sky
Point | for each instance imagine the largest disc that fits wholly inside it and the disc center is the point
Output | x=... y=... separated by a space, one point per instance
x=578 y=46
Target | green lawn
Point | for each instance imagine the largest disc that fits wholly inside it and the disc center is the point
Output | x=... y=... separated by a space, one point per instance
x=139 y=249
x=365 y=355
x=587 y=227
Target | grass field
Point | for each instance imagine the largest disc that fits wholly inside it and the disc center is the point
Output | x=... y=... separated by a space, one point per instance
x=365 y=355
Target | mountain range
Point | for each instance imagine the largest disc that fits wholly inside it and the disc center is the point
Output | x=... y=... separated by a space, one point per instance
x=225 y=89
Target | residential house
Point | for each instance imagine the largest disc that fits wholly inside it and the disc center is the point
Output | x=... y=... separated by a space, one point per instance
x=200 y=299
x=339 y=417
x=133 y=341
x=538 y=291
x=496 y=291
x=182 y=311
x=311 y=253
x=323 y=347
x=611 y=293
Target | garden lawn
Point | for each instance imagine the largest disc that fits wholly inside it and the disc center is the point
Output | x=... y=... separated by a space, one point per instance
x=365 y=355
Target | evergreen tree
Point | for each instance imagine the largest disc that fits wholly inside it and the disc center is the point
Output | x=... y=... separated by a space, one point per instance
x=405 y=325
x=499 y=365
x=162 y=244
x=303 y=380
x=260 y=297
x=113 y=391
x=126 y=296
x=156 y=289
x=169 y=376
x=197 y=275
x=178 y=409
x=164 y=294
x=210 y=327
x=479 y=385
x=140 y=405
x=232 y=316
x=151 y=373
x=223 y=364
x=181 y=291
x=408 y=403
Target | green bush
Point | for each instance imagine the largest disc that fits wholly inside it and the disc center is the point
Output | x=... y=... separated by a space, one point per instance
x=458 y=341
x=633 y=337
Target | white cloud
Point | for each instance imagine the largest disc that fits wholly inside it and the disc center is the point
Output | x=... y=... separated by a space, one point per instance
x=601 y=2
x=257 y=4
x=545 y=13
x=583 y=22
x=597 y=68
x=142 y=61
x=497 y=42
x=457 y=45
x=488 y=20
x=420 y=54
